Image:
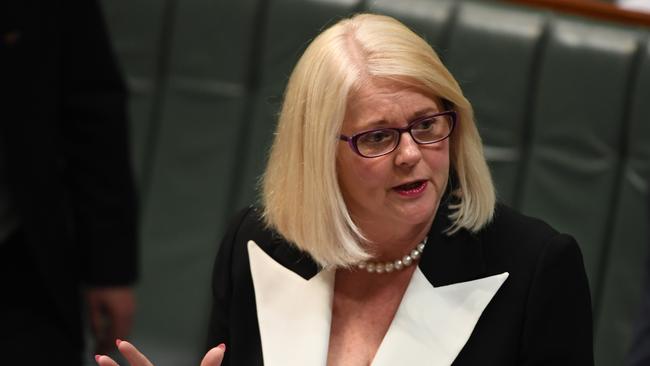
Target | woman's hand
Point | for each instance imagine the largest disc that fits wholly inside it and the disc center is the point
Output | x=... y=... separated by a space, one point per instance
x=135 y=358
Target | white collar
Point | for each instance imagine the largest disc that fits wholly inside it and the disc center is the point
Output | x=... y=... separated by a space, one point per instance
x=294 y=316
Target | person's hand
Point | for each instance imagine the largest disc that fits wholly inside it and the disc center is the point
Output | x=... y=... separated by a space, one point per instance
x=111 y=312
x=135 y=358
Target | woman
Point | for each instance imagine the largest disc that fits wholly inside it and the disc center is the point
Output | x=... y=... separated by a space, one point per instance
x=379 y=241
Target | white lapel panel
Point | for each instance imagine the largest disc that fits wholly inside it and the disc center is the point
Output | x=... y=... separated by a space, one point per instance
x=432 y=324
x=294 y=314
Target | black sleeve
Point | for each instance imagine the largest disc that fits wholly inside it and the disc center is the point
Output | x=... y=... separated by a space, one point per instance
x=219 y=329
x=558 y=325
x=96 y=147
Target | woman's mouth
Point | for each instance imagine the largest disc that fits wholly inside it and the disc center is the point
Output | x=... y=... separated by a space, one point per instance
x=411 y=189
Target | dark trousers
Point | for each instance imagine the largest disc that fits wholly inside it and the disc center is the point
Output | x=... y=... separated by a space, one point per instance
x=32 y=332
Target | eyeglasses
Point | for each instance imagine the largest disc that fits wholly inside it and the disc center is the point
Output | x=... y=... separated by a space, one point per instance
x=424 y=131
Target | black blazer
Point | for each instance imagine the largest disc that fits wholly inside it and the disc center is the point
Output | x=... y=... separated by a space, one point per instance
x=64 y=131
x=539 y=315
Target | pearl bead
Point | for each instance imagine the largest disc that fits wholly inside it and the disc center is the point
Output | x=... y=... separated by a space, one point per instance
x=420 y=247
x=371 y=267
x=398 y=264
x=388 y=267
x=407 y=260
x=415 y=254
x=379 y=268
x=362 y=265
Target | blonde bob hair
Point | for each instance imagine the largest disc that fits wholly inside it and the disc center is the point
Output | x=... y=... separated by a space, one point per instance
x=301 y=196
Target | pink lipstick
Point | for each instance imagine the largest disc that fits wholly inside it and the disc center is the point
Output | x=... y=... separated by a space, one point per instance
x=412 y=189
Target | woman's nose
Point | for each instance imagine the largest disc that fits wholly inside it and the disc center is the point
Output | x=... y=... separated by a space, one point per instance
x=408 y=152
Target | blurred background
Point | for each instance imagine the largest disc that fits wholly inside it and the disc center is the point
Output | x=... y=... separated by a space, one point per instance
x=561 y=91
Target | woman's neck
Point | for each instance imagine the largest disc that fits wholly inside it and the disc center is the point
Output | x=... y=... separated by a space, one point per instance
x=388 y=242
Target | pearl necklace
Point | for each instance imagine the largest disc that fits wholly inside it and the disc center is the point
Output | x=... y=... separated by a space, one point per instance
x=396 y=265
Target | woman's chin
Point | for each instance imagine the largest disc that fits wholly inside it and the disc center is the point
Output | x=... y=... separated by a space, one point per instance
x=416 y=212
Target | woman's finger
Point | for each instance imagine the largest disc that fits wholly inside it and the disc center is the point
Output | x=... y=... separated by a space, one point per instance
x=105 y=361
x=132 y=354
x=214 y=356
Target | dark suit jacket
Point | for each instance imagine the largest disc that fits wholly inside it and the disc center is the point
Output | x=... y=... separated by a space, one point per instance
x=540 y=315
x=64 y=129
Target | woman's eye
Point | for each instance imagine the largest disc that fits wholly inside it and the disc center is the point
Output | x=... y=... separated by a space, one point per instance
x=377 y=137
x=427 y=124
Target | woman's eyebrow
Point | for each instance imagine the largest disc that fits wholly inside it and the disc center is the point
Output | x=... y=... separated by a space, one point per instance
x=423 y=112
x=379 y=123
x=376 y=124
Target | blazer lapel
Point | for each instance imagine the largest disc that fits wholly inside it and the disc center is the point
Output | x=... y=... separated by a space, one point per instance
x=434 y=323
x=294 y=313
